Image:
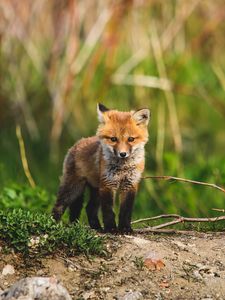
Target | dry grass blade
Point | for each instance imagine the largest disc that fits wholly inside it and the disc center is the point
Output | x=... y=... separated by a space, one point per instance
x=157 y=51
x=177 y=23
x=23 y=156
x=91 y=41
x=215 y=103
x=167 y=37
x=60 y=85
x=18 y=95
x=219 y=209
x=71 y=67
x=220 y=74
x=132 y=62
x=142 y=80
x=21 y=30
x=212 y=185
x=160 y=135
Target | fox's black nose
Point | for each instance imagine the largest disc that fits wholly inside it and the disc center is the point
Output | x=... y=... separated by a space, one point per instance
x=123 y=154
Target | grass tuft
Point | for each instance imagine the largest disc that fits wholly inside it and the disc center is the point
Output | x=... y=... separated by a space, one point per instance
x=31 y=232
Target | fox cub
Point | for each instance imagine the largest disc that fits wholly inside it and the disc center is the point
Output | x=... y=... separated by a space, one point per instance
x=110 y=161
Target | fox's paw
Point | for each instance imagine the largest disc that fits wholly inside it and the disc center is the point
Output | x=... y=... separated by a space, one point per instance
x=112 y=230
x=96 y=226
x=126 y=230
x=98 y=229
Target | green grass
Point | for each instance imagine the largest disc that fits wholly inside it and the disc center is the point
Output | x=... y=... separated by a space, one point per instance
x=38 y=233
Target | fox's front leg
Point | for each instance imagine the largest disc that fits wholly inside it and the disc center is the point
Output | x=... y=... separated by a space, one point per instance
x=106 y=200
x=127 y=197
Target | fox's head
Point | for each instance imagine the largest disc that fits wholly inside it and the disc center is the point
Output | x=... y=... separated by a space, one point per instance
x=122 y=133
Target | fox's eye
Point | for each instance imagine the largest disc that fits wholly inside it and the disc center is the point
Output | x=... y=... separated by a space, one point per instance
x=130 y=139
x=113 y=139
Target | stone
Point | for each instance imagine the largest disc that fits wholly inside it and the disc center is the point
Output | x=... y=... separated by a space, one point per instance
x=36 y=288
x=132 y=296
x=8 y=270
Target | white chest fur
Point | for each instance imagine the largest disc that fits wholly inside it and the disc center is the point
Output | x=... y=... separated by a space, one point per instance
x=123 y=171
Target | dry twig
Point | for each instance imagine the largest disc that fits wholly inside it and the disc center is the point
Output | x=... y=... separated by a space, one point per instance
x=212 y=185
x=186 y=219
x=155 y=218
x=178 y=219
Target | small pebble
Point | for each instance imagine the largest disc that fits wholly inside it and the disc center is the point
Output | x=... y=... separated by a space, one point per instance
x=8 y=270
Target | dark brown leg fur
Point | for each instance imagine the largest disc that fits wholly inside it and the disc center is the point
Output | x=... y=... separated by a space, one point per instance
x=75 y=208
x=69 y=196
x=70 y=191
x=106 y=199
x=126 y=206
x=92 y=209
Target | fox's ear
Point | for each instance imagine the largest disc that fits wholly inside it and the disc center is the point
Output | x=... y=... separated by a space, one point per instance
x=101 y=109
x=141 y=116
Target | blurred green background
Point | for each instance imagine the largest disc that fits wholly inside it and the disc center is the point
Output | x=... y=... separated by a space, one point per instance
x=60 y=57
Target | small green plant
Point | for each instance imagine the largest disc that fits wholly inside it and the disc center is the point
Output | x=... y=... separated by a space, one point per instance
x=138 y=262
x=30 y=232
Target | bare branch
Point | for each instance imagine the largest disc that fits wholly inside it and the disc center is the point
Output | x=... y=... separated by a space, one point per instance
x=212 y=185
x=184 y=219
x=178 y=219
x=155 y=218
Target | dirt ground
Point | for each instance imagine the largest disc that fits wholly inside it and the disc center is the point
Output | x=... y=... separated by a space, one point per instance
x=194 y=268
